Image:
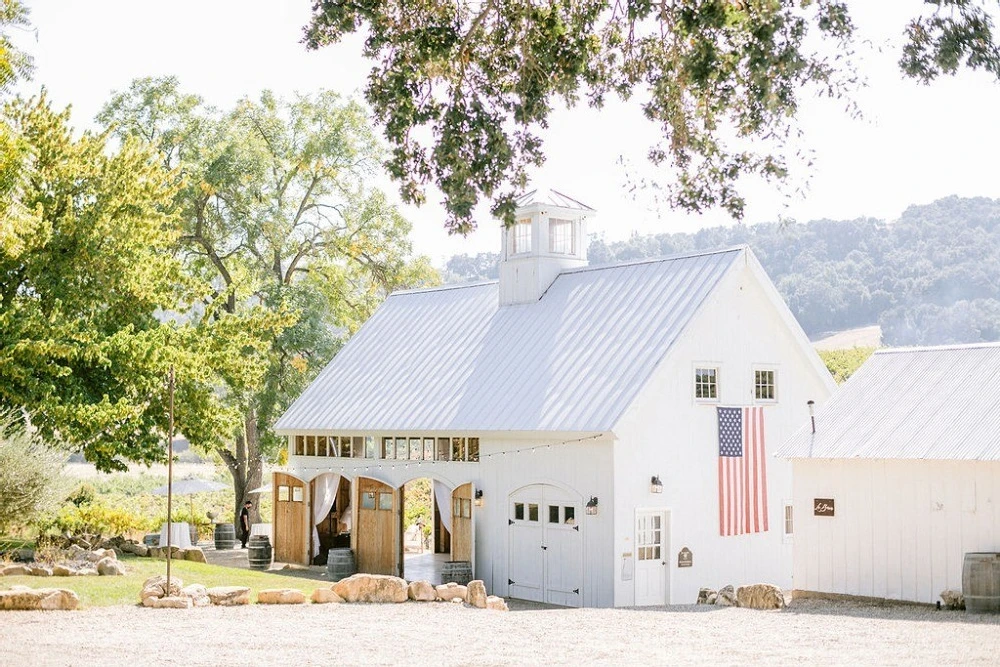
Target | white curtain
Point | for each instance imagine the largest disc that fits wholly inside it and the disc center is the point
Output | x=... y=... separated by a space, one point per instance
x=442 y=495
x=326 y=493
x=346 y=516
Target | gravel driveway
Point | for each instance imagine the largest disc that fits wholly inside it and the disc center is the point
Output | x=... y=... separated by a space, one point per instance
x=810 y=632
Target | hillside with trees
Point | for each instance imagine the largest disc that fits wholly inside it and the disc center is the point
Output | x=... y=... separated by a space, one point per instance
x=930 y=277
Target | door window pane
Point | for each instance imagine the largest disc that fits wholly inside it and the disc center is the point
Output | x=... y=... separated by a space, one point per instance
x=569 y=515
x=519 y=511
x=532 y=512
x=456 y=507
x=553 y=514
x=473 y=449
x=467 y=508
x=385 y=500
x=368 y=500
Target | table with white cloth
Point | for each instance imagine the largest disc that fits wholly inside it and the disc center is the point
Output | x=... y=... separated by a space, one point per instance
x=261 y=529
x=180 y=535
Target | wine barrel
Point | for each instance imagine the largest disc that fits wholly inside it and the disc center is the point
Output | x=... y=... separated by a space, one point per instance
x=259 y=552
x=225 y=536
x=340 y=564
x=457 y=571
x=981 y=582
x=193 y=531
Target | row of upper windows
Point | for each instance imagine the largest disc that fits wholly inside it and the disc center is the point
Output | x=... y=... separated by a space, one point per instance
x=562 y=237
x=395 y=448
x=706 y=384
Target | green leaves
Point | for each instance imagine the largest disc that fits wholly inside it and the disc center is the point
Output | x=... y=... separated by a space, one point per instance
x=956 y=33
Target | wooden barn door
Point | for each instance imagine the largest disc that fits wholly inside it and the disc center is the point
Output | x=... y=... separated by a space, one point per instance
x=461 y=523
x=377 y=526
x=291 y=520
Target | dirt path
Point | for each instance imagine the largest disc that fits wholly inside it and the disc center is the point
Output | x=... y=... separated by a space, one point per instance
x=447 y=634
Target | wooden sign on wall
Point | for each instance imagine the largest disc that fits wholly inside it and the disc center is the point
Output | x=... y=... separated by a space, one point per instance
x=822 y=506
x=685 y=558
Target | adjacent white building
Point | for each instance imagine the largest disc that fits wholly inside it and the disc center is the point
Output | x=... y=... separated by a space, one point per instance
x=569 y=417
x=901 y=477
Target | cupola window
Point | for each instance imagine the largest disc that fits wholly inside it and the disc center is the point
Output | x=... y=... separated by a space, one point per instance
x=562 y=236
x=520 y=236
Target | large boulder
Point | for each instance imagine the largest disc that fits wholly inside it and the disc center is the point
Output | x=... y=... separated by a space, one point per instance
x=229 y=596
x=451 y=591
x=953 y=599
x=704 y=594
x=496 y=603
x=40 y=571
x=39 y=598
x=62 y=571
x=110 y=567
x=371 y=588
x=156 y=587
x=760 y=596
x=87 y=572
x=476 y=594
x=325 y=596
x=15 y=570
x=421 y=591
x=198 y=594
x=171 y=602
x=195 y=555
x=281 y=596
x=726 y=597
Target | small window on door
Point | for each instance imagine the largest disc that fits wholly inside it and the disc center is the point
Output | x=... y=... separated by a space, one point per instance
x=384 y=500
x=789 y=526
x=368 y=500
x=466 y=508
x=532 y=512
x=553 y=514
x=519 y=511
x=569 y=515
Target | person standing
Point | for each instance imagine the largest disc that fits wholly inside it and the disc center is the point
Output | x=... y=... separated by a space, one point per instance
x=245 y=524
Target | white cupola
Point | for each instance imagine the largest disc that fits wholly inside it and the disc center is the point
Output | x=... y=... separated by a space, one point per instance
x=549 y=236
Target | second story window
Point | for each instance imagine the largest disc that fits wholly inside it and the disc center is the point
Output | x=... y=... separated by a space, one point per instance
x=520 y=236
x=706 y=384
x=562 y=236
x=764 y=385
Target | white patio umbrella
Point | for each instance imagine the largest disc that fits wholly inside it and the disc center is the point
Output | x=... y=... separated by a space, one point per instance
x=189 y=487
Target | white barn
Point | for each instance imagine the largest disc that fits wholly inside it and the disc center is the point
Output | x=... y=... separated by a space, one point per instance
x=901 y=477
x=543 y=405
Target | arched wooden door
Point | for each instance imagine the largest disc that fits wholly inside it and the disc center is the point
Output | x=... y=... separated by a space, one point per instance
x=291 y=519
x=461 y=523
x=377 y=528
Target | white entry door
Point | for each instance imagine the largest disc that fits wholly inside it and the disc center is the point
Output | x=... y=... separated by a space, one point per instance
x=652 y=570
x=546 y=546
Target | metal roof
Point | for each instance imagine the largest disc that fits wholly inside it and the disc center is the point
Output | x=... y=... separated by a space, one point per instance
x=549 y=198
x=911 y=403
x=450 y=358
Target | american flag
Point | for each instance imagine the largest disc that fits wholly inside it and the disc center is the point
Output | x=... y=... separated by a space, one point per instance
x=742 y=471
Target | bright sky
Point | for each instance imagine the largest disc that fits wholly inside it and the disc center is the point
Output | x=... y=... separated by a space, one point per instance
x=915 y=145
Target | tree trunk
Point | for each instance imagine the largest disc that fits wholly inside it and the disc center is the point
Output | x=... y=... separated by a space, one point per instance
x=246 y=466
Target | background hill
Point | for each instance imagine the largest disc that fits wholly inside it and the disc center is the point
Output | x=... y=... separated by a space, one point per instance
x=930 y=277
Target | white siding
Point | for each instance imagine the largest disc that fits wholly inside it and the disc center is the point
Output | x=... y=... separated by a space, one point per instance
x=668 y=433
x=901 y=528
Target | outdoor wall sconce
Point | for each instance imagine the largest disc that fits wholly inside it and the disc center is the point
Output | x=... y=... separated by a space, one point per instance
x=479 y=498
x=655 y=485
x=591 y=508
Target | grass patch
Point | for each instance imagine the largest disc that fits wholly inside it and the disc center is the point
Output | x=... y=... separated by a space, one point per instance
x=110 y=591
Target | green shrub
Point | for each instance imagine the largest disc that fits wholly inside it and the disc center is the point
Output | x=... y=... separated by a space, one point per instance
x=31 y=480
x=843 y=363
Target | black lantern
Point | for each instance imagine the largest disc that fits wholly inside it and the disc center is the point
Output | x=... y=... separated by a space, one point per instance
x=592 y=506
x=479 y=498
x=655 y=485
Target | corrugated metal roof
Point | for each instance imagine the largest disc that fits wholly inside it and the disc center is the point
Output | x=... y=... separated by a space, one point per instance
x=451 y=359
x=550 y=198
x=911 y=403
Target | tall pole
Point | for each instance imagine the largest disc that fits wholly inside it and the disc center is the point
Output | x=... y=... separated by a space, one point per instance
x=170 y=476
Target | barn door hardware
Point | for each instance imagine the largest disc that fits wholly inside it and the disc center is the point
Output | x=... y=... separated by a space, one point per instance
x=544 y=547
x=576 y=528
x=576 y=591
x=510 y=582
x=510 y=522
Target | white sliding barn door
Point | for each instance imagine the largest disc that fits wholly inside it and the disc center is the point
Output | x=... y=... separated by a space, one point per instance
x=546 y=546
x=651 y=567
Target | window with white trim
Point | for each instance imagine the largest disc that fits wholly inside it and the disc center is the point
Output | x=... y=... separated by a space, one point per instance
x=764 y=385
x=520 y=237
x=788 y=525
x=562 y=236
x=706 y=384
